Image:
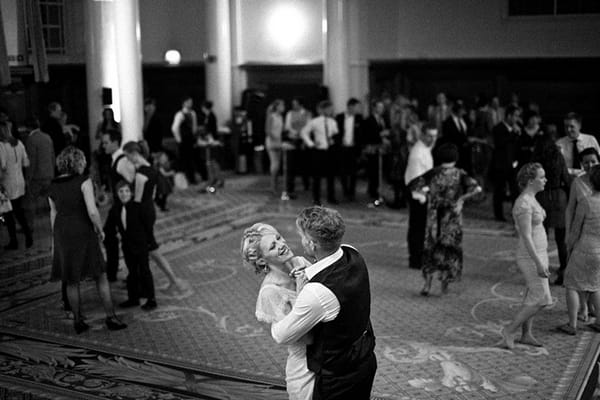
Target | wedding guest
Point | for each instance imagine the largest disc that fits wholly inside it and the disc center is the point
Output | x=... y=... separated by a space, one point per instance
x=350 y=125
x=53 y=127
x=318 y=137
x=103 y=159
x=299 y=158
x=447 y=187
x=419 y=162
x=553 y=198
x=77 y=232
x=145 y=181
x=153 y=128
x=165 y=177
x=580 y=189
x=532 y=131
x=273 y=141
x=39 y=175
x=532 y=255
x=267 y=252
x=134 y=242
x=375 y=129
x=502 y=166
x=121 y=169
x=184 y=129
x=583 y=272
x=13 y=158
x=437 y=113
x=574 y=142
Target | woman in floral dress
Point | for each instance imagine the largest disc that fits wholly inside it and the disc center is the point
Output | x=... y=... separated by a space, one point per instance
x=447 y=188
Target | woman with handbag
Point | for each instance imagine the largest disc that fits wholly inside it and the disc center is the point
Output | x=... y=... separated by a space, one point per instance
x=13 y=158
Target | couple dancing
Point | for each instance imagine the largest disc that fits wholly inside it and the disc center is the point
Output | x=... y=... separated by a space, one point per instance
x=321 y=310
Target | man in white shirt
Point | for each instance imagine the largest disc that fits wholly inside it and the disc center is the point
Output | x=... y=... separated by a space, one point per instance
x=575 y=142
x=419 y=162
x=317 y=136
x=335 y=306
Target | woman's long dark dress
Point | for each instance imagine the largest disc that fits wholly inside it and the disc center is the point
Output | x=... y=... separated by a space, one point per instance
x=147 y=203
x=77 y=253
x=443 y=234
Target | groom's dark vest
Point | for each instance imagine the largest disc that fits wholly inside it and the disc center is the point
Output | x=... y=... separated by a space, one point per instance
x=342 y=345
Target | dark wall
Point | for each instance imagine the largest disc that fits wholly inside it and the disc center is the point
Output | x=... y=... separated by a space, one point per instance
x=557 y=85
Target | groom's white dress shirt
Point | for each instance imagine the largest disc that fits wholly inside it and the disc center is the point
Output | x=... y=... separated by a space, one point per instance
x=315 y=303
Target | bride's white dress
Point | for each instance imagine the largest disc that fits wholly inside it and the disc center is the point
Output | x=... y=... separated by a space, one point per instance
x=273 y=303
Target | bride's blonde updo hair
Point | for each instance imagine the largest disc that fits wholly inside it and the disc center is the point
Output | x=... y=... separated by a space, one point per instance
x=250 y=247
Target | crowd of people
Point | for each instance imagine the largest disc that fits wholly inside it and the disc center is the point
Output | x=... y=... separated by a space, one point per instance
x=434 y=162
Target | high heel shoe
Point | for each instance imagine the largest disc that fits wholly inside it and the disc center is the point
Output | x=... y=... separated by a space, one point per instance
x=80 y=326
x=114 y=324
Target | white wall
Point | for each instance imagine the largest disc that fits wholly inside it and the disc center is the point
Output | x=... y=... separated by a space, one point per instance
x=172 y=24
x=415 y=29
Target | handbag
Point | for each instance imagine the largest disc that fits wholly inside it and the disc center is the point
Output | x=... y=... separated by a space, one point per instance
x=181 y=182
x=5 y=205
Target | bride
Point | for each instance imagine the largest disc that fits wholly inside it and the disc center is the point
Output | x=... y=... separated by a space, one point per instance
x=264 y=249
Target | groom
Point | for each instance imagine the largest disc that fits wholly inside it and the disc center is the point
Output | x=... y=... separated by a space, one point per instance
x=335 y=307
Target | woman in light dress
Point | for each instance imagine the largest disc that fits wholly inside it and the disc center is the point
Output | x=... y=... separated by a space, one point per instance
x=580 y=189
x=264 y=249
x=532 y=255
x=583 y=244
x=274 y=140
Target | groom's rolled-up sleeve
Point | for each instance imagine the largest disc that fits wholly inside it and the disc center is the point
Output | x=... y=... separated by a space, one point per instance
x=315 y=303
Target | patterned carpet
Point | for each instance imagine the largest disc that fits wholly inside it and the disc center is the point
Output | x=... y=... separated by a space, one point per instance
x=206 y=343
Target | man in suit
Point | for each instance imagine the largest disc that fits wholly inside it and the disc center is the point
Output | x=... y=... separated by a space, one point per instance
x=375 y=129
x=455 y=131
x=504 y=159
x=335 y=307
x=54 y=128
x=40 y=172
x=349 y=126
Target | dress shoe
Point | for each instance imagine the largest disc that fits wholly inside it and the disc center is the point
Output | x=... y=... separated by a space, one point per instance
x=129 y=303
x=114 y=324
x=80 y=326
x=150 y=305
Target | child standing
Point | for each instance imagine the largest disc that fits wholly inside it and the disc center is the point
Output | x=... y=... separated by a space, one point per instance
x=134 y=242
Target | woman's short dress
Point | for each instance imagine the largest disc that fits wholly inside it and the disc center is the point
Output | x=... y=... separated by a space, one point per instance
x=538 y=288
x=583 y=268
x=77 y=253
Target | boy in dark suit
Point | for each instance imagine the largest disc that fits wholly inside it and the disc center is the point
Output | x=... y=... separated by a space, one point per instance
x=134 y=243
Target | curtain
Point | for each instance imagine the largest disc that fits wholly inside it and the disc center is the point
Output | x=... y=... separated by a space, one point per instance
x=36 y=37
x=4 y=69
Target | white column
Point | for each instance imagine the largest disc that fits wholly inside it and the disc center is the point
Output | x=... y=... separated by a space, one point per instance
x=335 y=65
x=129 y=66
x=218 y=60
x=239 y=77
x=100 y=62
x=358 y=64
